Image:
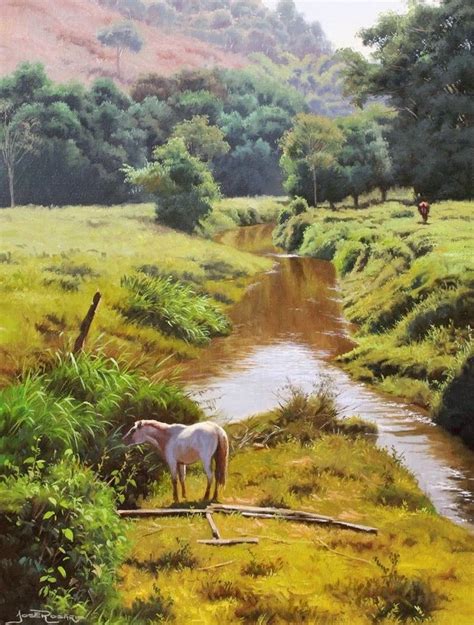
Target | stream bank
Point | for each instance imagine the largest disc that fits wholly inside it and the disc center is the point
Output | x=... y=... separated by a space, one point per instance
x=288 y=329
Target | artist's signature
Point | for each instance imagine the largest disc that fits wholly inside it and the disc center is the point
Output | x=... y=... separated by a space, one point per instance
x=45 y=616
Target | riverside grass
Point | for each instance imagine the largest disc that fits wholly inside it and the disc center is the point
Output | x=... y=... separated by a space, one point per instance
x=53 y=260
x=409 y=288
x=416 y=569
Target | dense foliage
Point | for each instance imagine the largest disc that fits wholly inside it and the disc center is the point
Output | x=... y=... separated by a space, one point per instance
x=182 y=184
x=422 y=65
x=64 y=470
x=243 y=26
x=279 y=40
x=74 y=141
x=328 y=160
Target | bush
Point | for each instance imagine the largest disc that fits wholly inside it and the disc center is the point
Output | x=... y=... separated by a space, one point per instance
x=61 y=541
x=173 y=308
x=298 y=205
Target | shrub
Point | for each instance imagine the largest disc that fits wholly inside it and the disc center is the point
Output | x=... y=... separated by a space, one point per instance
x=298 y=205
x=61 y=540
x=174 y=308
x=454 y=411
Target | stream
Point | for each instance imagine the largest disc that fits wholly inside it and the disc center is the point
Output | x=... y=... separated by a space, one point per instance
x=288 y=328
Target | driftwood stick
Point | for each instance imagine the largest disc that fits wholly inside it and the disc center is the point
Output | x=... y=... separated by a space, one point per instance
x=215 y=531
x=286 y=514
x=215 y=566
x=161 y=512
x=221 y=542
x=86 y=324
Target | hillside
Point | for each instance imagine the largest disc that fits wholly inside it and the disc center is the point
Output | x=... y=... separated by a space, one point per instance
x=62 y=35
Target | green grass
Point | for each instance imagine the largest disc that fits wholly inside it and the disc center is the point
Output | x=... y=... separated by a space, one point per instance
x=233 y=212
x=416 y=569
x=409 y=288
x=53 y=260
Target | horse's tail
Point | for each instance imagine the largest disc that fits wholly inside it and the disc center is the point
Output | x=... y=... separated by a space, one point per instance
x=221 y=456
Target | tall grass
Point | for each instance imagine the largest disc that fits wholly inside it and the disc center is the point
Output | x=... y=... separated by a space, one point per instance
x=173 y=308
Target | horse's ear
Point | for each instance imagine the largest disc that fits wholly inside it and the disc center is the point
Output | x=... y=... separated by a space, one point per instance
x=139 y=424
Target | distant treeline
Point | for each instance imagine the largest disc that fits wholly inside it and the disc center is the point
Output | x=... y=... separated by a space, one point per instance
x=67 y=143
x=281 y=41
x=243 y=26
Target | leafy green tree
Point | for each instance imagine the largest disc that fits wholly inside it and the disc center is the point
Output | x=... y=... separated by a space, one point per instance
x=201 y=139
x=316 y=141
x=364 y=158
x=182 y=184
x=421 y=65
x=123 y=36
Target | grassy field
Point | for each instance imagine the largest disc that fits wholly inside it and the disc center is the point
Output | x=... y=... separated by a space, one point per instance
x=409 y=288
x=417 y=568
x=52 y=261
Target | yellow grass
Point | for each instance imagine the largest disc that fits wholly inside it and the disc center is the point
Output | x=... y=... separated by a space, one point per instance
x=299 y=573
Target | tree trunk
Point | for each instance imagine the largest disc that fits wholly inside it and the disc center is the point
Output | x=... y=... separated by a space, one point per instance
x=11 y=185
x=383 y=191
x=315 y=188
x=119 y=54
x=356 y=201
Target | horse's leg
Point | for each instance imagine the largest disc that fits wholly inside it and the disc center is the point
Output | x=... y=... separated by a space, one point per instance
x=207 y=462
x=174 y=478
x=182 y=477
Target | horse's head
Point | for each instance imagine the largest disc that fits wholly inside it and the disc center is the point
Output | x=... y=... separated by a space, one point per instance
x=136 y=435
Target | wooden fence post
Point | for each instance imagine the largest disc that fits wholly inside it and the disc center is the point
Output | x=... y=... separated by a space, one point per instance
x=86 y=324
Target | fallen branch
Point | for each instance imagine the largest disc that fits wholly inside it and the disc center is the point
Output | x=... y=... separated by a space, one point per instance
x=300 y=516
x=215 y=566
x=162 y=512
x=285 y=514
x=221 y=542
x=215 y=531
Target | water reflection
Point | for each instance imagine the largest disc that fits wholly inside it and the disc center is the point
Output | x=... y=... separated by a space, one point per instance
x=287 y=329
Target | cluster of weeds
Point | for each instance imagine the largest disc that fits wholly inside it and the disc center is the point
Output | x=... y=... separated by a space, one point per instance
x=393 y=493
x=154 y=609
x=262 y=568
x=218 y=590
x=393 y=594
x=174 y=559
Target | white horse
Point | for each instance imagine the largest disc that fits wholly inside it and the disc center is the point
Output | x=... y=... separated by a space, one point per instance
x=180 y=445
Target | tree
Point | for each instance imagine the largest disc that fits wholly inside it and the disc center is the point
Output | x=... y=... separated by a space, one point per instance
x=315 y=140
x=364 y=159
x=182 y=184
x=123 y=36
x=17 y=139
x=422 y=66
x=202 y=140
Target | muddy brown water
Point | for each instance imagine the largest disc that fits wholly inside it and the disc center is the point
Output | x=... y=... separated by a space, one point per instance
x=288 y=328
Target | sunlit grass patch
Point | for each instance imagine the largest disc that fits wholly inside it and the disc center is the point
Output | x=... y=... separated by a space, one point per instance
x=415 y=569
x=53 y=260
